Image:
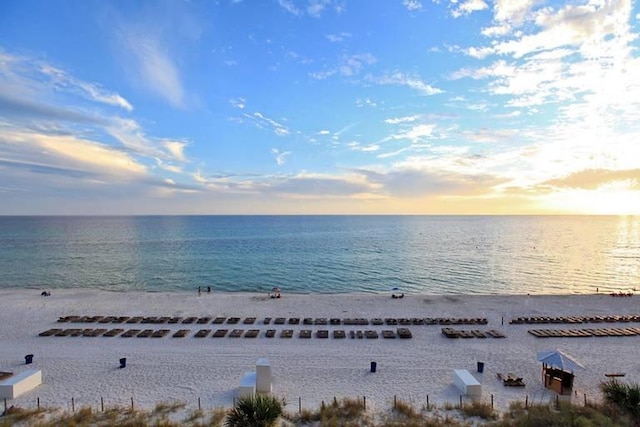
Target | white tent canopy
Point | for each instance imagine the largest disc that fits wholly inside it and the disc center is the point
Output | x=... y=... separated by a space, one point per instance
x=559 y=359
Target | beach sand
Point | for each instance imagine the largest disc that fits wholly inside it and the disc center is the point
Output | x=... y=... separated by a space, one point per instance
x=313 y=370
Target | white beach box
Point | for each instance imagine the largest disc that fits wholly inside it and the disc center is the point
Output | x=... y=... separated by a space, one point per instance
x=467 y=383
x=247 y=384
x=20 y=383
x=263 y=376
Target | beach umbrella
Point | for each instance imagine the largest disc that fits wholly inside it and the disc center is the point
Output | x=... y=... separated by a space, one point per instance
x=559 y=359
x=275 y=290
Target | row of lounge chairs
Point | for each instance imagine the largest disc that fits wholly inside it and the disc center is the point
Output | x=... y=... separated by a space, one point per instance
x=581 y=333
x=221 y=333
x=277 y=321
x=575 y=319
x=475 y=333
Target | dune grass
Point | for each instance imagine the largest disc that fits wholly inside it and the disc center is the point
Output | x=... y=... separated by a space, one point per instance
x=343 y=413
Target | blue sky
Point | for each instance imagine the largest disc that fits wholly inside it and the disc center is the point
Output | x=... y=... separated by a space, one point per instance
x=319 y=107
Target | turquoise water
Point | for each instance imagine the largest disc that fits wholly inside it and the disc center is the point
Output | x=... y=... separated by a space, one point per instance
x=324 y=254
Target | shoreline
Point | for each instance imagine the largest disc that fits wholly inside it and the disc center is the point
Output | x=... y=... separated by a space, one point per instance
x=314 y=369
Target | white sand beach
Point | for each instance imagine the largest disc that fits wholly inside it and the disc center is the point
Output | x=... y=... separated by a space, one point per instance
x=315 y=369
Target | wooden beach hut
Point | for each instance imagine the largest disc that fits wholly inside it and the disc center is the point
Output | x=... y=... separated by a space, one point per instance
x=558 y=370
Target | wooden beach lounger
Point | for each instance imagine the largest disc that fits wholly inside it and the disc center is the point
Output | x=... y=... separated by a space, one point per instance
x=339 y=334
x=307 y=321
x=145 y=334
x=404 y=333
x=236 y=333
x=266 y=320
x=388 y=334
x=219 y=320
x=233 y=320
x=203 y=320
x=322 y=333
x=249 y=321
x=286 y=333
x=252 y=333
x=370 y=334
x=305 y=333
x=270 y=333
x=189 y=320
x=181 y=333
x=136 y=319
x=131 y=333
x=175 y=319
x=49 y=332
x=113 y=332
x=160 y=333
x=280 y=320
x=202 y=333
x=335 y=321
x=220 y=333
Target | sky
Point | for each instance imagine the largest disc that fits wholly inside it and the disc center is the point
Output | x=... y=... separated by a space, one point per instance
x=319 y=107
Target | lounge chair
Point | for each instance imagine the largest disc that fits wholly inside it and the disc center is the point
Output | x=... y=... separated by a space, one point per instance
x=202 y=333
x=286 y=333
x=252 y=333
x=236 y=333
x=322 y=333
x=131 y=333
x=160 y=333
x=219 y=320
x=113 y=332
x=339 y=334
x=145 y=334
x=181 y=333
x=249 y=321
x=305 y=333
x=220 y=333
x=270 y=333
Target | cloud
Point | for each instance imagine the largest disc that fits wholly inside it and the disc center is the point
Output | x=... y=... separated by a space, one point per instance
x=592 y=179
x=238 y=103
x=290 y=7
x=277 y=127
x=64 y=81
x=336 y=38
x=176 y=149
x=411 y=182
x=155 y=68
x=348 y=66
x=412 y=4
x=406 y=119
x=413 y=82
x=26 y=109
x=469 y=6
x=280 y=156
x=313 y=8
x=513 y=11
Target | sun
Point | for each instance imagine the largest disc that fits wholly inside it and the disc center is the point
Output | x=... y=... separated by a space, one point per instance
x=616 y=199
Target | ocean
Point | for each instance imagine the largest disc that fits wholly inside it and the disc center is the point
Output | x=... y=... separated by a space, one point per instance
x=324 y=254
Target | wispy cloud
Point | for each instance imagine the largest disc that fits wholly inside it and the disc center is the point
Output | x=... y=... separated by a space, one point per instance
x=410 y=81
x=412 y=4
x=155 y=68
x=336 y=38
x=280 y=156
x=262 y=121
x=349 y=65
x=313 y=8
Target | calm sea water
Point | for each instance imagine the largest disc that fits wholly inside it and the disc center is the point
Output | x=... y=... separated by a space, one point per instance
x=323 y=254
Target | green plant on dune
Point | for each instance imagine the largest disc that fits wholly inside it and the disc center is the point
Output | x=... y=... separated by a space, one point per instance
x=254 y=411
x=625 y=397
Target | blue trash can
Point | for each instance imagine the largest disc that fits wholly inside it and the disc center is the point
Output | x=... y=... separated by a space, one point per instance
x=123 y=362
x=28 y=359
x=374 y=365
x=480 y=367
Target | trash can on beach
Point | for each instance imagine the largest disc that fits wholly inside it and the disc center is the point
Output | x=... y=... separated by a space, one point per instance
x=28 y=359
x=123 y=362
x=480 y=367
x=373 y=366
